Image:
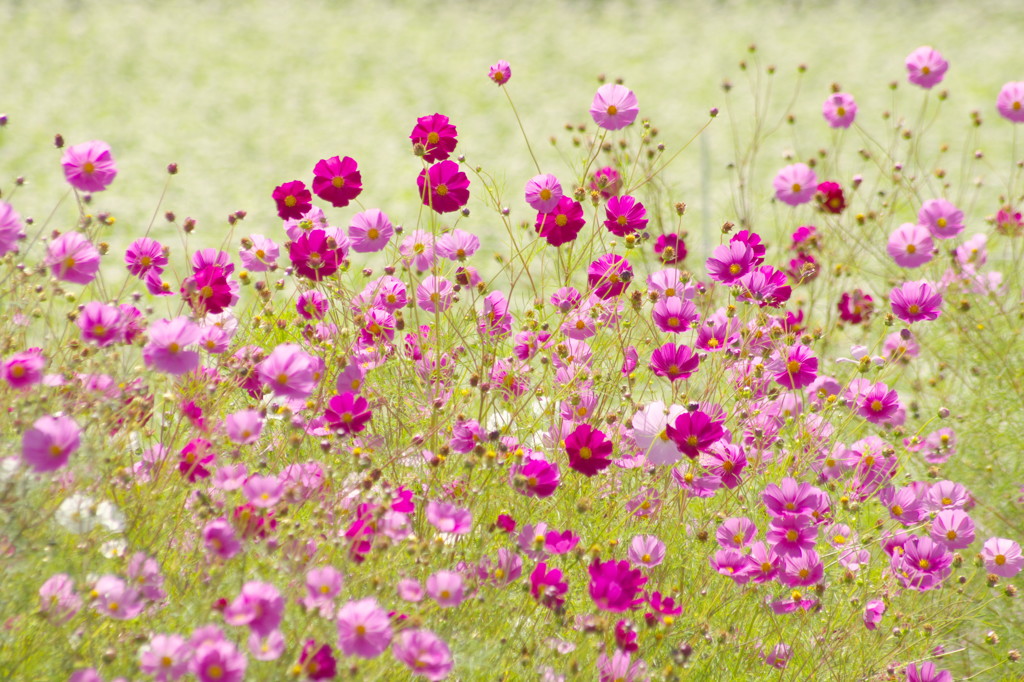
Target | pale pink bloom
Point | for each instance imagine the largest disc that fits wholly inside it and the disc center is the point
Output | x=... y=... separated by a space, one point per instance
x=244 y=427
x=168 y=347
x=445 y=587
x=926 y=67
x=424 y=653
x=263 y=491
x=259 y=605
x=116 y=599
x=910 y=245
x=57 y=599
x=364 y=628
x=370 y=231
x=543 y=193
x=11 y=229
x=795 y=184
x=267 y=647
x=261 y=256
x=88 y=166
x=646 y=550
x=166 y=657
x=1002 y=557
x=48 y=444
x=650 y=432
x=448 y=518
x=288 y=371
x=614 y=107
x=1010 y=101
x=73 y=258
x=839 y=109
x=219 y=538
x=942 y=218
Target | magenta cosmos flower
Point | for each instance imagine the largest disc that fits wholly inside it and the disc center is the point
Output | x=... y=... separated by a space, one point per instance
x=436 y=135
x=500 y=72
x=337 y=180
x=543 y=192
x=259 y=605
x=73 y=258
x=830 y=197
x=624 y=215
x=364 y=628
x=293 y=200
x=317 y=664
x=795 y=368
x=535 y=477
x=670 y=248
x=915 y=301
x=616 y=586
x=48 y=444
x=315 y=255
x=435 y=294
x=588 y=449
x=609 y=276
x=370 y=231
x=425 y=654
x=168 y=347
x=24 y=369
x=942 y=218
x=11 y=229
x=348 y=413
x=911 y=245
x=1010 y=102
x=674 y=362
x=443 y=187
x=694 y=432
x=839 y=110
x=926 y=67
x=731 y=261
x=795 y=184
x=289 y=371
x=561 y=225
x=89 y=167
x=674 y=315
x=143 y=255
x=1002 y=557
x=614 y=107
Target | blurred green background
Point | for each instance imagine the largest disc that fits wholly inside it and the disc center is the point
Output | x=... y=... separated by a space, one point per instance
x=247 y=94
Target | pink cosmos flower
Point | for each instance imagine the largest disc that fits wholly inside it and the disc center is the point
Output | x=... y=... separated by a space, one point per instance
x=220 y=540
x=796 y=368
x=560 y=543
x=435 y=294
x=926 y=67
x=418 y=250
x=607 y=181
x=316 y=255
x=288 y=371
x=445 y=588
x=736 y=533
x=447 y=518
x=910 y=245
x=348 y=413
x=1002 y=557
x=58 y=601
x=166 y=657
x=167 y=349
x=614 y=107
x=443 y=187
x=670 y=248
x=364 y=628
x=620 y=667
x=830 y=197
x=218 y=661
x=337 y=180
x=370 y=231
x=588 y=449
x=48 y=444
x=293 y=199
x=209 y=291
x=436 y=135
x=88 y=166
x=873 y=611
x=143 y=255
x=116 y=599
x=695 y=432
x=259 y=605
x=674 y=362
x=195 y=456
x=100 y=323
x=922 y=565
x=543 y=192
x=261 y=256
x=609 y=276
x=615 y=585
x=765 y=286
x=792 y=534
x=535 y=477
x=425 y=654
x=915 y=301
x=878 y=404
x=624 y=215
x=674 y=314
x=263 y=491
x=839 y=110
x=1010 y=102
x=312 y=219
x=942 y=218
x=73 y=258
x=562 y=224
x=11 y=229
x=855 y=306
x=729 y=262
x=952 y=528
x=500 y=72
x=726 y=461
x=457 y=245
x=317 y=664
x=646 y=550
x=795 y=184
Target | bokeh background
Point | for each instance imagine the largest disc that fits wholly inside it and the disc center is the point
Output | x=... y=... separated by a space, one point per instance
x=246 y=94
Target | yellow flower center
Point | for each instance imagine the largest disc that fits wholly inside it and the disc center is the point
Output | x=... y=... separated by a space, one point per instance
x=338 y=181
x=691 y=441
x=672 y=322
x=612 y=110
x=290 y=201
x=924 y=564
x=712 y=343
x=585 y=452
x=911 y=249
x=793 y=366
x=840 y=111
x=796 y=187
x=876 y=405
x=88 y=168
x=941 y=222
x=738 y=538
x=561 y=220
x=433 y=138
x=914 y=309
x=897 y=510
x=173 y=347
x=1000 y=559
x=545 y=194
x=441 y=190
x=792 y=535
x=17 y=371
x=621 y=220
x=951 y=535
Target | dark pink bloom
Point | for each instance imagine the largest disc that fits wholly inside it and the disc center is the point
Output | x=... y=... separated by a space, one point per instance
x=195 y=456
x=443 y=187
x=317 y=664
x=927 y=672
x=629 y=360
x=100 y=323
x=855 y=306
x=926 y=67
x=674 y=314
x=219 y=538
x=293 y=200
x=11 y=229
x=830 y=197
x=753 y=241
x=562 y=224
x=312 y=305
x=588 y=449
x=73 y=258
x=670 y=248
x=1010 y=102
x=795 y=184
x=217 y=660
x=547 y=586
x=560 y=543
x=915 y=301
x=436 y=136
x=48 y=444
x=765 y=286
x=922 y=565
x=674 y=362
x=316 y=255
x=24 y=369
x=348 y=413
x=726 y=461
x=731 y=261
x=143 y=255
x=624 y=215
x=694 y=432
x=878 y=404
x=795 y=368
x=616 y=586
x=538 y=477
x=790 y=497
x=500 y=72
x=614 y=107
x=167 y=349
x=88 y=166
x=337 y=180
x=609 y=276
x=792 y=534
x=209 y=290
x=425 y=654
x=839 y=110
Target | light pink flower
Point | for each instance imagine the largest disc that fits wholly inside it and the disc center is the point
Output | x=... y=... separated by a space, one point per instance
x=614 y=107
x=926 y=67
x=88 y=166
x=364 y=628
